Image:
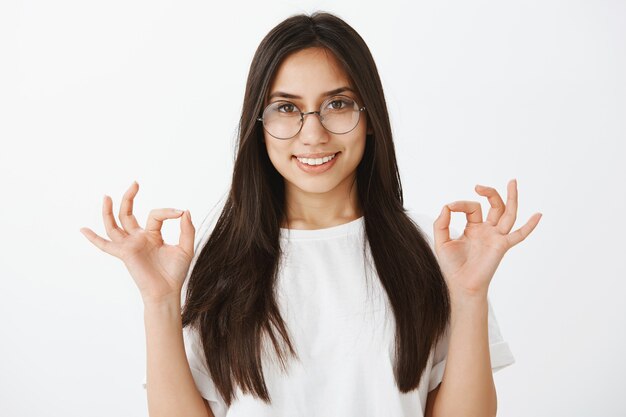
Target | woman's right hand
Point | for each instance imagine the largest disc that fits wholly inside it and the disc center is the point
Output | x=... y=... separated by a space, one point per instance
x=157 y=268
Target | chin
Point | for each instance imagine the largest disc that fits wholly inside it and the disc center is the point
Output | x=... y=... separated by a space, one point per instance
x=314 y=187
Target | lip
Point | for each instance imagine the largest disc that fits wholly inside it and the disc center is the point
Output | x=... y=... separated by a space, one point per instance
x=316 y=155
x=317 y=169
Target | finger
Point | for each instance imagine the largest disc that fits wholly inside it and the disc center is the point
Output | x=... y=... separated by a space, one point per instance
x=158 y=216
x=441 y=227
x=495 y=201
x=187 y=233
x=102 y=244
x=113 y=230
x=523 y=232
x=510 y=213
x=473 y=211
x=127 y=218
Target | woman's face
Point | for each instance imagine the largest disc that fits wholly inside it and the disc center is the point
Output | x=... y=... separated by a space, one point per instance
x=309 y=74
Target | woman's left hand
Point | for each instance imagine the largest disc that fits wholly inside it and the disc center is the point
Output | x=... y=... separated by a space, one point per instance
x=469 y=262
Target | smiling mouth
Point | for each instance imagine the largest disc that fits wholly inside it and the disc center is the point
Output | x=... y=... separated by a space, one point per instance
x=317 y=161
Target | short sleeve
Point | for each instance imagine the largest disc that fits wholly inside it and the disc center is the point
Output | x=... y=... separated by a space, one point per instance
x=499 y=351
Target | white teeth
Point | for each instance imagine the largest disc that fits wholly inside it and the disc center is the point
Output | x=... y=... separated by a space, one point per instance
x=316 y=161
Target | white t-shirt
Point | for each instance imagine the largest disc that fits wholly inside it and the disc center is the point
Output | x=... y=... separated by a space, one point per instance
x=336 y=312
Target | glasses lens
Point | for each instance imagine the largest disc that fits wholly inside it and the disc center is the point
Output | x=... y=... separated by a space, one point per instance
x=281 y=120
x=340 y=114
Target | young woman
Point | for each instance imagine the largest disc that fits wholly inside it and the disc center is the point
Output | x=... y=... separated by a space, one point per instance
x=316 y=293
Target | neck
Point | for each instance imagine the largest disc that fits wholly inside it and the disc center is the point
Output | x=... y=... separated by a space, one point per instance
x=305 y=210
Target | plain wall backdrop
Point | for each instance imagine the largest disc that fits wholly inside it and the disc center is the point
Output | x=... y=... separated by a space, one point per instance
x=94 y=95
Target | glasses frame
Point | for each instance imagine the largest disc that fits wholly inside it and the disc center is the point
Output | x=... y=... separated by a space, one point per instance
x=317 y=113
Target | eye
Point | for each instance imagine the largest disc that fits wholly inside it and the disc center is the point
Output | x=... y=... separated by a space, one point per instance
x=337 y=104
x=286 y=108
x=340 y=103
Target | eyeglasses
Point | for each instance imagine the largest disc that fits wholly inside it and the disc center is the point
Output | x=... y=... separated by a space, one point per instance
x=338 y=114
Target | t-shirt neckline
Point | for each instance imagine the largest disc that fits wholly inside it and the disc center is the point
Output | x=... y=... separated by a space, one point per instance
x=340 y=230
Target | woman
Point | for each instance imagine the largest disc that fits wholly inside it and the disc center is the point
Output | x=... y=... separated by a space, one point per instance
x=316 y=293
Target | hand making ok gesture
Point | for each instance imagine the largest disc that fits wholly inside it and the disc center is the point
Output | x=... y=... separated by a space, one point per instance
x=469 y=262
x=157 y=268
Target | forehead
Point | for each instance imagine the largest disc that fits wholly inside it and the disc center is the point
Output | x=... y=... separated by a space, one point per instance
x=308 y=73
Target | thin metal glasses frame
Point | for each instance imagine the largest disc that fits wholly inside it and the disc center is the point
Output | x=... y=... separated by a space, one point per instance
x=319 y=115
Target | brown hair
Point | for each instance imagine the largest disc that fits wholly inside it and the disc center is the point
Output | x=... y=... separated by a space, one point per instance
x=230 y=294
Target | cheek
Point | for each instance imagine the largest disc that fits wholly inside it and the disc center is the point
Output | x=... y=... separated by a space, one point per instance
x=279 y=155
x=358 y=148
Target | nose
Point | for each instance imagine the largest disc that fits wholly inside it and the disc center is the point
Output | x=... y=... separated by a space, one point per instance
x=312 y=129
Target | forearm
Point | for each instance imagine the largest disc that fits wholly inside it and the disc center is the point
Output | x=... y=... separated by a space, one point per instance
x=170 y=387
x=467 y=388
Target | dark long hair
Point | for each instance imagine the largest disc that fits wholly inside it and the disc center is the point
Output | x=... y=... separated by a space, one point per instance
x=230 y=295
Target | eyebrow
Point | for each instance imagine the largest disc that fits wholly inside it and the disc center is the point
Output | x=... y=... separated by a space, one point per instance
x=326 y=94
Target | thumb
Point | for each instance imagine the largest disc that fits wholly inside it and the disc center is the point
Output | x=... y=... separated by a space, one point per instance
x=441 y=229
x=187 y=233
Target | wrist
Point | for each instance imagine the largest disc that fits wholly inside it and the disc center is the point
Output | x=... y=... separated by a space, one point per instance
x=170 y=303
x=465 y=296
x=464 y=305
